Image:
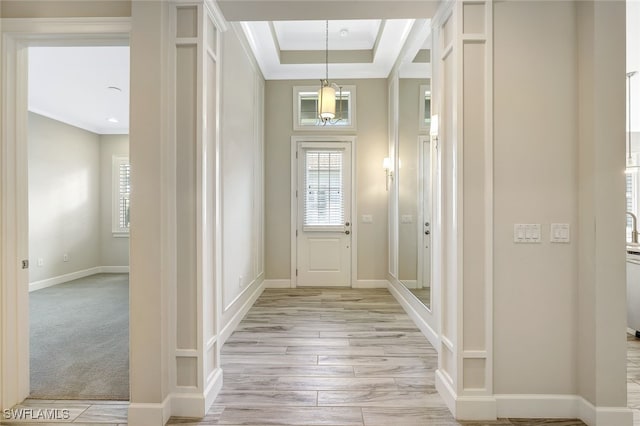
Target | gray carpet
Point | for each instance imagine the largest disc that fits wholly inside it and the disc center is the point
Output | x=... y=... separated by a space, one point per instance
x=80 y=339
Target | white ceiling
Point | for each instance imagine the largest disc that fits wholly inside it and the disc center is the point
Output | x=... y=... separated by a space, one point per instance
x=343 y=35
x=72 y=85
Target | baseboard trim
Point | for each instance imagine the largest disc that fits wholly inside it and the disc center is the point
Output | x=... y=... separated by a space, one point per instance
x=213 y=389
x=195 y=404
x=150 y=414
x=114 y=269
x=561 y=406
x=231 y=325
x=277 y=283
x=413 y=308
x=50 y=282
x=614 y=416
x=370 y=284
x=444 y=388
x=466 y=407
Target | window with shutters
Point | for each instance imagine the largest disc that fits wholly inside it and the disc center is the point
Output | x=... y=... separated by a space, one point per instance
x=425 y=107
x=324 y=190
x=121 y=201
x=305 y=109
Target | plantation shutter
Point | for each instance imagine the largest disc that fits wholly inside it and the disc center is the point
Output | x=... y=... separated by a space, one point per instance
x=324 y=192
x=124 y=188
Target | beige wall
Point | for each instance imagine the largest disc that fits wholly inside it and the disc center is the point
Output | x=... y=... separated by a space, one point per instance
x=64 y=200
x=535 y=172
x=371 y=197
x=407 y=175
x=64 y=9
x=113 y=251
x=241 y=162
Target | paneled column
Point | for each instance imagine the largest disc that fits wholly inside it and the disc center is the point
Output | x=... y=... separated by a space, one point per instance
x=195 y=57
x=462 y=32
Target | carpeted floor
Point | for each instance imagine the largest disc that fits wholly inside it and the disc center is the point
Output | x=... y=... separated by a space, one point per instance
x=80 y=339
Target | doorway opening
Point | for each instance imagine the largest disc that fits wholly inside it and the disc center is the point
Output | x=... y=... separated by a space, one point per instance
x=78 y=196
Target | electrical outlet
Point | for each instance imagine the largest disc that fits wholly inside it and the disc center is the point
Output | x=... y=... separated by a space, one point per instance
x=65 y=257
x=40 y=261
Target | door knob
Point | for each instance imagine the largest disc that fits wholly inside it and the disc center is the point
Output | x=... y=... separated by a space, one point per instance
x=347 y=224
x=347 y=232
x=427 y=232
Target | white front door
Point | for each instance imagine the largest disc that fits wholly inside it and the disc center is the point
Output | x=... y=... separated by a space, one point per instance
x=323 y=226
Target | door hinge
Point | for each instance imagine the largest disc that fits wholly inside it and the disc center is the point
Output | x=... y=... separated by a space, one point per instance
x=296 y=232
x=296 y=155
x=296 y=272
x=25 y=264
x=296 y=193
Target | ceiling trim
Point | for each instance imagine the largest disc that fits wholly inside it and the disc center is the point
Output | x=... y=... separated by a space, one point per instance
x=277 y=65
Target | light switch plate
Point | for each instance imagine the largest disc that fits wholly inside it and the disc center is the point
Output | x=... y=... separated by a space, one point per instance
x=527 y=233
x=367 y=218
x=560 y=233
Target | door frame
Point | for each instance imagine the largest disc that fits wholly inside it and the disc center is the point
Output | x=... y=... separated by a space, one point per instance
x=423 y=190
x=295 y=140
x=17 y=35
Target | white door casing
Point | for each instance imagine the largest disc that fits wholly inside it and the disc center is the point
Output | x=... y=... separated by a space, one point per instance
x=323 y=233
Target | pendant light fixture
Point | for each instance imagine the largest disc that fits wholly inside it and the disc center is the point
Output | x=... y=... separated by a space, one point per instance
x=631 y=164
x=327 y=92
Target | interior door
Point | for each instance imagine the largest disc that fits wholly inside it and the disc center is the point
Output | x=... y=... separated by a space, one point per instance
x=323 y=228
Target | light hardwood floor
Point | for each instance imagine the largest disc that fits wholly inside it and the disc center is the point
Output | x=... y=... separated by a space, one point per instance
x=318 y=357
x=321 y=356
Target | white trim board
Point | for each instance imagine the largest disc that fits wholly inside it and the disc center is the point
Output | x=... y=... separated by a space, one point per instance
x=413 y=307
x=370 y=284
x=531 y=406
x=140 y=413
x=49 y=282
x=561 y=406
x=232 y=324
x=192 y=404
x=283 y=283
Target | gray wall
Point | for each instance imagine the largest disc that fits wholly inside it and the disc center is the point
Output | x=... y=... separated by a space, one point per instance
x=64 y=198
x=70 y=193
x=371 y=196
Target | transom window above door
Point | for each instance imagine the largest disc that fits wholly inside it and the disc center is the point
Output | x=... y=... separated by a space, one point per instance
x=305 y=109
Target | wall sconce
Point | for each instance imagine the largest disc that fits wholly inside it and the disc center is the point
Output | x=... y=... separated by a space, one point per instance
x=388 y=168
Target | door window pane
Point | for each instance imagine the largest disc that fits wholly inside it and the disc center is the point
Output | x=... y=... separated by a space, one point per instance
x=324 y=195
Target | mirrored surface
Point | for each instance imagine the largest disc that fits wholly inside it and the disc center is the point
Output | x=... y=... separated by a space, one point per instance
x=414 y=230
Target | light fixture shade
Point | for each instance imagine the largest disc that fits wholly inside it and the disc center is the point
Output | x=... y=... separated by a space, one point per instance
x=327 y=103
x=386 y=163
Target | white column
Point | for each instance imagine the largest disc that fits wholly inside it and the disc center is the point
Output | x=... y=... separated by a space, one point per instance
x=175 y=363
x=464 y=50
x=151 y=246
x=195 y=55
x=601 y=285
